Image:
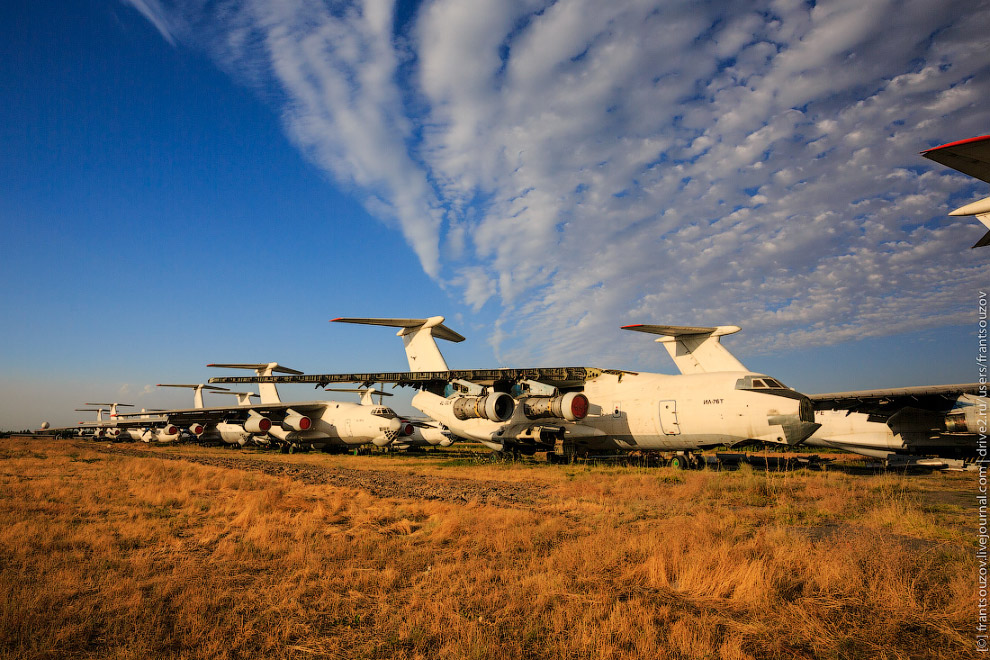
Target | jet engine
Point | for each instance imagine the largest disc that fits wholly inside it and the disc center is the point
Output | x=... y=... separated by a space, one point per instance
x=296 y=422
x=113 y=433
x=572 y=406
x=496 y=407
x=196 y=429
x=257 y=424
x=167 y=433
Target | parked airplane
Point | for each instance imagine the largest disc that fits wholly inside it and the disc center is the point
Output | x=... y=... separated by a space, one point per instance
x=575 y=410
x=150 y=427
x=292 y=425
x=416 y=432
x=939 y=420
x=971 y=157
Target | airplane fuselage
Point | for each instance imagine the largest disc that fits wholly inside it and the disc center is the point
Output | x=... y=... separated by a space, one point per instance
x=650 y=411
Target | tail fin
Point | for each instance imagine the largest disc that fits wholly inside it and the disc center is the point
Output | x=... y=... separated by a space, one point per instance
x=98 y=411
x=695 y=350
x=365 y=392
x=198 y=394
x=419 y=339
x=268 y=391
x=243 y=398
x=113 y=407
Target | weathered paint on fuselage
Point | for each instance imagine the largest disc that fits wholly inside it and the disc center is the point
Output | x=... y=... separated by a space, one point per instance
x=339 y=423
x=651 y=412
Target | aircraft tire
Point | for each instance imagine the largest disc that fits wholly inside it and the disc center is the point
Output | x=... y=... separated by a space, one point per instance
x=678 y=462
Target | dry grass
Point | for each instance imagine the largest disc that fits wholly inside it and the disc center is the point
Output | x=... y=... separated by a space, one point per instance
x=113 y=556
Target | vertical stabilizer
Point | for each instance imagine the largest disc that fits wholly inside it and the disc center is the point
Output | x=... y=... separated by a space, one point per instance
x=268 y=391
x=695 y=350
x=197 y=391
x=419 y=338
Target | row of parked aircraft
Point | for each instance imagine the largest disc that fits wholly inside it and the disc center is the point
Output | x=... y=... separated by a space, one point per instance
x=569 y=411
x=565 y=411
x=268 y=422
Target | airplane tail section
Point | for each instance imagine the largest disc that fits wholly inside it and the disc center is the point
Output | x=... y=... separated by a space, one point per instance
x=695 y=350
x=198 y=393
x=365 y=392
x=267 y=391
x=419 y=338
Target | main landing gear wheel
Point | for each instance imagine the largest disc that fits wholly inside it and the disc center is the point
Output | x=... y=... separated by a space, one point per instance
x=678 y=462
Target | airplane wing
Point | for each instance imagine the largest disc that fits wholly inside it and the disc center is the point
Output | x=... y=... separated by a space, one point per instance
x=559 y=377
x=220 y=413
x=970 y=156
x=889 y=401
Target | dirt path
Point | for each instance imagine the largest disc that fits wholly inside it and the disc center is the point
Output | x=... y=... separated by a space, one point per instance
x=380 y=483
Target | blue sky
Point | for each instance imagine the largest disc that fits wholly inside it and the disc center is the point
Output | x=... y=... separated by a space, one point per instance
x=186 y=182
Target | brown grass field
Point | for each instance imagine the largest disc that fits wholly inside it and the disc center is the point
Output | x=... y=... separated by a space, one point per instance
x=113 y=552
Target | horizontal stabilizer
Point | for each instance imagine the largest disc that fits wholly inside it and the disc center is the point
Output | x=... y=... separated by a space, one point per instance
x=970 y=156
x=119 y=405
x=257 y=367
x=418 y=338
x=438 y=329
x=212 y=388
x=695 y=349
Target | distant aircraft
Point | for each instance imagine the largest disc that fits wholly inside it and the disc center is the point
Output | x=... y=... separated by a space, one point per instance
x=971 y=157
x=294 y=425
x=149 y=427
x=416 y=433
x=940 y=420
x=575 y=410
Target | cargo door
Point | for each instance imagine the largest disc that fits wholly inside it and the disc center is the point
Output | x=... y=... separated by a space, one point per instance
x=668 y=418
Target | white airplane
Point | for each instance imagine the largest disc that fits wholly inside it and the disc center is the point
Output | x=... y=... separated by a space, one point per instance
x=941 y=421
x=565 y=411
x=204 y=432
x=149 y=428
x=971 y=157
x=415 y=432
x=293 y=425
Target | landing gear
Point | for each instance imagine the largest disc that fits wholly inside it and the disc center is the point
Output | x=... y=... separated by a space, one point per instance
x=686 y=460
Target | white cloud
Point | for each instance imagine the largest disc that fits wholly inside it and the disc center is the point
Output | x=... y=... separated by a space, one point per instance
x=586 y=164
x=156 y=15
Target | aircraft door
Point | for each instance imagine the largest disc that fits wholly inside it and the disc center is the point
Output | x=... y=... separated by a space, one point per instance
x=668 y=418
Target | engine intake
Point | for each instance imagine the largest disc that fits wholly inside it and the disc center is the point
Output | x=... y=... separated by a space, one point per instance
x=296 y=422
x=196 y=429
x=497 y=407
x=257 y=424
x=572 y=406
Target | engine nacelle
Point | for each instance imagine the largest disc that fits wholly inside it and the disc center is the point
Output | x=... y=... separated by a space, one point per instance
x=196 y=430
x=572 y=406
x=295 y=422
x=168 y=433
x=113 y=433
x=257 y=424
x=232 y=434
x=496 y=407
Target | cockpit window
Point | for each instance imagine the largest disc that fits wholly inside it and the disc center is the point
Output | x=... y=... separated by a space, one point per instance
x=385 y=412
x=760 y=383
